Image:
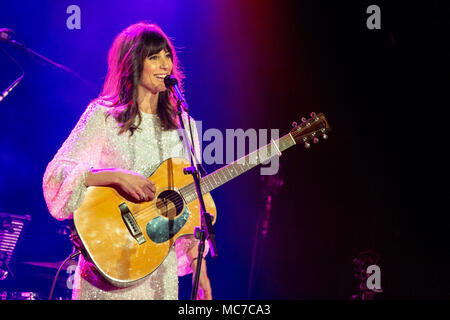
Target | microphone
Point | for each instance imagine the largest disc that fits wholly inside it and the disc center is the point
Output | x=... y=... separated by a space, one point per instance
x=172 y=83
x=4 y=34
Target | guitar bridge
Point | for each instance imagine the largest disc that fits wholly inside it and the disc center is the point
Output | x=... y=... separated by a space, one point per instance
x=131 y=224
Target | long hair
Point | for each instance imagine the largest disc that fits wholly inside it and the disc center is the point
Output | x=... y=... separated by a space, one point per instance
x=126 y=59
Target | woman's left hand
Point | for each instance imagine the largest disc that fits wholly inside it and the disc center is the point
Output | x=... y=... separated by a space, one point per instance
x=204 y=291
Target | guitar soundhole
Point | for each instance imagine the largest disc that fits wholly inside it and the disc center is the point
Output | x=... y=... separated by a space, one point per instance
x=169 y=204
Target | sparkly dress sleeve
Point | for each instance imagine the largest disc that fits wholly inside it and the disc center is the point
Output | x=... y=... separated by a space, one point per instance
x=64 y=178
x=184 y=244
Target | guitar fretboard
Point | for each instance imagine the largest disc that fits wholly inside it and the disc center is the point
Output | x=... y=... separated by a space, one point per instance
x=238 y=167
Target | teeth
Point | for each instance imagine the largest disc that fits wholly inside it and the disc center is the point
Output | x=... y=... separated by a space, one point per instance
x=160 y=76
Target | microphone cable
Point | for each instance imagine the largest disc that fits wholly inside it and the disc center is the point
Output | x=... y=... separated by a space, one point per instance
x=73 y=255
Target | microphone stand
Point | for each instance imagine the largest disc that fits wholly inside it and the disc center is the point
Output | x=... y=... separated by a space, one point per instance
x=17 y=81
x=6 y=37
x=205 y=231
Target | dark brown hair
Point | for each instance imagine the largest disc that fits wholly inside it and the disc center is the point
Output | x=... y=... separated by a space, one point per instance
x=126 y=59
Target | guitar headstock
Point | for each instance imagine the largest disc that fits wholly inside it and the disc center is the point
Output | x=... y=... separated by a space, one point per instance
x=310 y=129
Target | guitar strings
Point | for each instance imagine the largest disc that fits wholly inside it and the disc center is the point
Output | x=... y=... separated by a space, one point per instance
x=174 y=198
x=190 y=188
x=177 y=200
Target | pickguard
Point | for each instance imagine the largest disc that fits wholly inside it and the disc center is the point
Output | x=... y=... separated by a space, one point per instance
x=161 y=229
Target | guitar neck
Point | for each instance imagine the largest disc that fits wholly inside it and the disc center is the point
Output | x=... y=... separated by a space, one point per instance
x=238 y=167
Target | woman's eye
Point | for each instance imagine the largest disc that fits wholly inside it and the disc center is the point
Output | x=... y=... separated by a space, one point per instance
x=156 y=57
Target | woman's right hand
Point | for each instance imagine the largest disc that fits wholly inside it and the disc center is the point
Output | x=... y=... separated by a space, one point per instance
x=136 y=185
x=131 y=183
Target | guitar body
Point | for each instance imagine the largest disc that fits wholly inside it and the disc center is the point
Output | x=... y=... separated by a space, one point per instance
x=126 y=240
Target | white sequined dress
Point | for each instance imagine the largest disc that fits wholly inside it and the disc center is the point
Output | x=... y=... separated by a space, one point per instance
x=95 y=143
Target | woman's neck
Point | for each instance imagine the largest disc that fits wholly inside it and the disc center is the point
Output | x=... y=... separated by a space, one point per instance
x=147 y=101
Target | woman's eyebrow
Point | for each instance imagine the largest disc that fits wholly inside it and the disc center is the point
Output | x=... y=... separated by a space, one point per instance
x=156 y=54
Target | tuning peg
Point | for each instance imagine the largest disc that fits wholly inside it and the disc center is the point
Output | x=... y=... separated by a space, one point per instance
x=324 y=136
x=313 y=114
x=316 y=140
x=294 y=124
x=303 y=119
x=307 y=145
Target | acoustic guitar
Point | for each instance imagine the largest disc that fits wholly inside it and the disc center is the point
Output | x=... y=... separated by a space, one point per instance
x=128 y=240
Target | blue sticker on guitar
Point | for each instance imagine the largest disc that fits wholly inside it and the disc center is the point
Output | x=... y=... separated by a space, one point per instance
x=161 y=229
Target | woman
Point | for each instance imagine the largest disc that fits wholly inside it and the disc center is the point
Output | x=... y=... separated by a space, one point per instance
x=119 y=140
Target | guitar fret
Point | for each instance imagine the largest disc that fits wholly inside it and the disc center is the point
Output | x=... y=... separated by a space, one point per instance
x=211 y=183
x=286 y=142
x=206 y=186
x=262 y=153
x=231 y=172
x=219 y=177
x=227 y=171
x=213 y=176
x=224 y=174
x=235 y=170
x=189 y=195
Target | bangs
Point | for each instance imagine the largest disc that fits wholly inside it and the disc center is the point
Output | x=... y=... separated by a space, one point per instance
x=154 y=43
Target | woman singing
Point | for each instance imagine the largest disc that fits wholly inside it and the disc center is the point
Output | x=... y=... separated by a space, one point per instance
x=119 y=140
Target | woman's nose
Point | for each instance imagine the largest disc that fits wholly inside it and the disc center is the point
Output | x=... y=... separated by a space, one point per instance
x=165 y=63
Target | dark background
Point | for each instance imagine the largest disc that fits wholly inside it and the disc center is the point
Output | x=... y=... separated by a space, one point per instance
x=378 y=183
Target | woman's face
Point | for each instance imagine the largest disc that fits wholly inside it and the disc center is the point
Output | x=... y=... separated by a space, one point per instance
x=156 y=68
